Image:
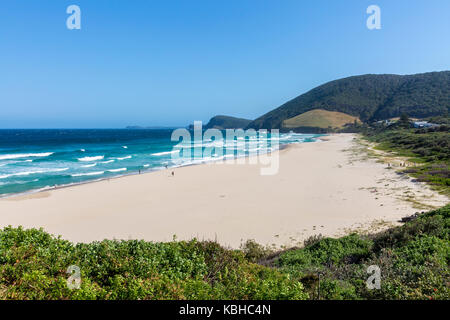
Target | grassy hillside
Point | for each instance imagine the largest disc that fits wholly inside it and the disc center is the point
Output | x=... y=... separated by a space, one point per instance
x=321 y=119
x=370 y=97
x=226 y=122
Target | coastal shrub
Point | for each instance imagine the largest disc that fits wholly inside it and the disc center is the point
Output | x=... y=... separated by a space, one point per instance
x=337 y=290
x=33 y=265
x=312 y=240
x=424 y=250
x=328 y=251
x=428 y=148
x=413 y=259
x=418 y=270
x=433 y=223
x=254 y=252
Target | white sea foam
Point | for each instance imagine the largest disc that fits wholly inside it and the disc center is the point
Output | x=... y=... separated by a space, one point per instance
x=25 y=182
x=146 y=165
x=88 y=174
x=165 y=153
x=87 y=159
x=125 y=147
x=218 y=144
x=118 y=170
x=27 y=173
x=109 y=161
x=24 y=155
x=89 y=165
x=124 y=158
x=82 y=150
x=43 y=189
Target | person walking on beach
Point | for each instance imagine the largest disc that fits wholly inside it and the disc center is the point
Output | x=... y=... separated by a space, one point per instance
x=173 y=174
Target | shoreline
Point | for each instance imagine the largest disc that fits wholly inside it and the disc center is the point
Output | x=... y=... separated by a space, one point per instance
x=320 y=188
x=148 y=171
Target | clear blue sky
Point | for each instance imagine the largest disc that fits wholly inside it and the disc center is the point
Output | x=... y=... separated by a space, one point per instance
x=171 y=62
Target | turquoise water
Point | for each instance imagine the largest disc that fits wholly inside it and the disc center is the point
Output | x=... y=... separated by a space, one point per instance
x=32 y=160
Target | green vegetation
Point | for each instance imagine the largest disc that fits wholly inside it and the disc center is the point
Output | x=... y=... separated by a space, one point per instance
x=320 y=119
x=413 y=259
x=370 y=97
x=226 y=122
x=428 y=148
x=444 y=119
x=33 y=265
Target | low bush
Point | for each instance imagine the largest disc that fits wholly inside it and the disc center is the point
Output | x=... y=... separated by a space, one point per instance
x=413 y=260
x=33 y=265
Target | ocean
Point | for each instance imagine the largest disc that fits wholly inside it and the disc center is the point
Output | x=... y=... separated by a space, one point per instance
x=40 y=159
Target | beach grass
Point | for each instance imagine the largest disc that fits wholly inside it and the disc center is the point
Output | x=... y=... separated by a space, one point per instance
x=423 y=153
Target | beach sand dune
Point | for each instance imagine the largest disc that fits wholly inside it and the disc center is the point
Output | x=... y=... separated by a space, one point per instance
x=320 y=188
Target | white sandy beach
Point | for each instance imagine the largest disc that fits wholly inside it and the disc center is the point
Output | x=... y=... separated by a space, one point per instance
x=320 y=188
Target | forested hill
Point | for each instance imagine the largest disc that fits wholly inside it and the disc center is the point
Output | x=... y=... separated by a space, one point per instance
x=226 y=122
x=370 y=97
